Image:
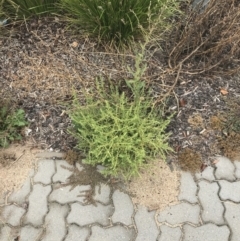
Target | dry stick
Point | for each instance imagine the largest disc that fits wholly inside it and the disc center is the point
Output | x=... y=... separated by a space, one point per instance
x=179 y=70
x=26 y=23
x=18 y=158
x=172 y=87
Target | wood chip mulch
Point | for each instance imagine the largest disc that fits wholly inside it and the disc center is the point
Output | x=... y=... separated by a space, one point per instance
x=43 y=62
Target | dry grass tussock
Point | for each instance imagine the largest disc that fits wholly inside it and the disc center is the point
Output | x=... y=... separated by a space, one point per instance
x=206 y=41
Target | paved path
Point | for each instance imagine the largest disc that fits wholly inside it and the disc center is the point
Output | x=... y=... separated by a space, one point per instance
x=209 y=209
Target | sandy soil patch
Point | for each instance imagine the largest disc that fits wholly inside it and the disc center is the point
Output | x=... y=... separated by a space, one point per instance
x=156 y=188
x=16 y=162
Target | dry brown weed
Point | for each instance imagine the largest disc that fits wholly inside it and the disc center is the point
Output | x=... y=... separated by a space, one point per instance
x=207 y=41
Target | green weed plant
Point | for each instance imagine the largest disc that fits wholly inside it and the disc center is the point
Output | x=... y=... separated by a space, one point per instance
x=11 y=123
x=118 y=21
x=121 y=134
x=23 y=9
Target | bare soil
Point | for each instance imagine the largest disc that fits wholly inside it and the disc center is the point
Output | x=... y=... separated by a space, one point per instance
x=157 y=186
x=16 y=162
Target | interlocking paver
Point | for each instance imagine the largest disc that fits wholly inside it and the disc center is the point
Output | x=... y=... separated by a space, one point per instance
x=65 y=195
x=207 y=232
x=12 y=215
x=90 y=214
x=229 y=190
x=70 y=223
x=55 y=222
x=38 y=206
x=170 y=234
x=232 y=216
x=123 y=208
x=46 y=169
x=62 y=173
x=188 y=188
x=29 y=233
x=207 y=174
x=102 y=193
x=6 y=234
x=76 y=233
x=146 y=226
x=224 y=169
x=180 y=213
x=237 y=171
x=20 y=195
x=212 y=206
x=115 y=233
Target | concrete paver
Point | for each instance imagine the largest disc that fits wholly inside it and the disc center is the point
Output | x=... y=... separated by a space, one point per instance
x=188 y=188
x=212 y=206
x=146 y=226
x=77 y=233
x=207 y=174
x=232 y=216
x=116 y=233
x=207 y=232
x=229 y=190
x=170 y=234
x=30 y=233
x=62 y=173
x=46 y=169
x=90 y=214
x=19 y=197
x=224 y=169
x=237 y=171
x=64 y=195
x=45 y=210
x=55 y=222
x=12 y=215
x=102 y=193
x=180 y=213
x=123 y=208
x=6 y=233
x=38 y=206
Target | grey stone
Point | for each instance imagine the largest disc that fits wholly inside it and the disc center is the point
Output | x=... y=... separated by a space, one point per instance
x=76 y=233
x=46 y=169
x=62 y=174
x=170 y=234
x=180 y=213
x=232 y=216
x=146 y=226
x=212 y=205
x=37 y=205
x=207 y=232
x=20 y=195
x=55 y=222
x=30 y=233
x=225 y=169
x=123 y=208
x=237 y=171
x=116 y=233
x=12 y=215
x=89 y=214
x=102 y=193
x=188 y=188
x=63 y=195
x=229 y=190
x=207 y=174
x=50 y=155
